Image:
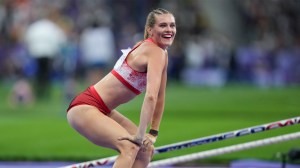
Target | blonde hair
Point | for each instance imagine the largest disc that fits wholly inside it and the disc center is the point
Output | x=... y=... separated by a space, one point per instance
x=151 y=19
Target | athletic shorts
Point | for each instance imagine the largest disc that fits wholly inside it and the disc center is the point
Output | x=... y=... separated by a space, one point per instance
x=90 y=97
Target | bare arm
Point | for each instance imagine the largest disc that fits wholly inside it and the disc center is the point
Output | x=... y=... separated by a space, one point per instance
x=159 y=109
x=155 y=73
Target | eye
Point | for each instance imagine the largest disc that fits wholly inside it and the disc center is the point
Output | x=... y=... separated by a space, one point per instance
x=163 y=25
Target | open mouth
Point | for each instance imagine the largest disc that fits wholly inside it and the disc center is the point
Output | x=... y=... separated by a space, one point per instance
x=167 y=36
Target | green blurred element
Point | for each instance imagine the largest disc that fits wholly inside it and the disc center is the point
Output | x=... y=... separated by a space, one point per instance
x=41 y=132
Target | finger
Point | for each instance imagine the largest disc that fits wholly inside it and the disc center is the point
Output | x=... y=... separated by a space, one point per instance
x=139 y=145
x=130 y=140
x=136 y=143
x=124 y=138
x=146 y=143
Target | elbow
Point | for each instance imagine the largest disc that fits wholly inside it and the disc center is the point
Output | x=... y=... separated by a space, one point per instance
x=151 y=98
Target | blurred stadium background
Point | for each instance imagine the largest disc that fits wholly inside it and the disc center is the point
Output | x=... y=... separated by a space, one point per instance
x=234 y=64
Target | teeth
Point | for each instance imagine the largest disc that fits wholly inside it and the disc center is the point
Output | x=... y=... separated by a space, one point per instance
x=168 y=36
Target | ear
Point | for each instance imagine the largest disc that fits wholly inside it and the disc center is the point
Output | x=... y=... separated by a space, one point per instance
x=149 y=30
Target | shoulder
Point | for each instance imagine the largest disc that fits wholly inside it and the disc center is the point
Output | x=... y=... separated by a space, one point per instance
x=152 y=50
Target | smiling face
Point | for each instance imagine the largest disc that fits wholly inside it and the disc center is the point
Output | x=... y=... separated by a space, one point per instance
x=164 y=30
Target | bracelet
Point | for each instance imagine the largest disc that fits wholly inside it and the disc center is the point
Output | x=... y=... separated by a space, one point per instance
x=153 y=132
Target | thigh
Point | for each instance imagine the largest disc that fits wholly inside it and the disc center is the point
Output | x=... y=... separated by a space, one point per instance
x=123 y=121
x=95 y=126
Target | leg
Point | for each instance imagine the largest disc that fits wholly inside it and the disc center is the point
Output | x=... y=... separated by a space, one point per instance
x=103 y=131
x=123 y=121
x=143 y=157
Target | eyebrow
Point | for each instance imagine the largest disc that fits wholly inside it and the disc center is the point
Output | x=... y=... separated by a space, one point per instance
x=166 y=23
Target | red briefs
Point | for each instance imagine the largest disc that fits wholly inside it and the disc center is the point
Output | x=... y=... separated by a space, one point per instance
x=90 y=97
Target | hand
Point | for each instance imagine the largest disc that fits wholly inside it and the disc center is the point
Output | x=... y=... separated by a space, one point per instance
x=148 y=141
x=134 y=139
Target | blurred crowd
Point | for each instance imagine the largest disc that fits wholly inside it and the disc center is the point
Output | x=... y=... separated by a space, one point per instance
x=218 y=42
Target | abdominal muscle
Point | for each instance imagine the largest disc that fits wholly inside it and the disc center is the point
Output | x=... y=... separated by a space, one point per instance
x=113 y=92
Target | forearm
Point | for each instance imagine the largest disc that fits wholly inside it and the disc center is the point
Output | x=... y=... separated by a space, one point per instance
x=160 y=105
x=157 y=116
x=146 y=114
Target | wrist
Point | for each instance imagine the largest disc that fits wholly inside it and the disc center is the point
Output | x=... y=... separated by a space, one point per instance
x=153 y=132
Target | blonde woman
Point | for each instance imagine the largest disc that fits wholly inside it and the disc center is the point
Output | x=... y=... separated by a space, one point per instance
x=144 y=68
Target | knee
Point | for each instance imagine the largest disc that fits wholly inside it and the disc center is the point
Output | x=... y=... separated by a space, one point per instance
x=146 y=154
x=128 y=149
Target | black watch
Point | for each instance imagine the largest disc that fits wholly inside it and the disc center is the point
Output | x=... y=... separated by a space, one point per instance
x=153 y=132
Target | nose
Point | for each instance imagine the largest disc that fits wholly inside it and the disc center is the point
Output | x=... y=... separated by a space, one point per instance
x=169 y=28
